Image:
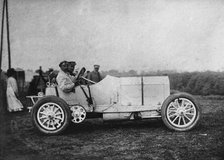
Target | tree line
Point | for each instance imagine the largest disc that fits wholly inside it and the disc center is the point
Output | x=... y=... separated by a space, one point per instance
x=197 y=83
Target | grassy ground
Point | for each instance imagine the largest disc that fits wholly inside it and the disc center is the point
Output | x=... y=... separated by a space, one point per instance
x=121 y=140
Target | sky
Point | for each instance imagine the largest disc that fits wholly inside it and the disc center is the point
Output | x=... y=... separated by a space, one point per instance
x=144 y=35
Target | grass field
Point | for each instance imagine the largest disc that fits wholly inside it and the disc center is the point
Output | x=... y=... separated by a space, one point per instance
x=95 y=139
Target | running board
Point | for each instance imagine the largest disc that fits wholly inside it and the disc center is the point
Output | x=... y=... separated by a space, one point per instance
x=122 y=109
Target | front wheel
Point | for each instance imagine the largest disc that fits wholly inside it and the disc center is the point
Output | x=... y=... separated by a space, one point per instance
x=51 y=115
x=180 y=112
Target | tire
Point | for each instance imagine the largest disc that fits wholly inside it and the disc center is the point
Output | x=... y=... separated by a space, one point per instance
x=78 y=113
x=180 y=112
x=51 y=115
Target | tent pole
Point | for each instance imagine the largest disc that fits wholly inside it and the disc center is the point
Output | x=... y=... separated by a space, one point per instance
x=2 y=30
x=8 y=40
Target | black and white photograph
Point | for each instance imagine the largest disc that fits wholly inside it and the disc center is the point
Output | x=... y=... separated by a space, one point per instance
x=112 y=80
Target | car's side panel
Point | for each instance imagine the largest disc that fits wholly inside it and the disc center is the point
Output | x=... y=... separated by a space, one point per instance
x=70 y=98
x=130 y=91
x=106 y=91
x=156 y=89
x=148 y=91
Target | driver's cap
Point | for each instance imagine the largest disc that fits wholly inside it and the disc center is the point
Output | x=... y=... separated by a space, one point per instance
x=96 y=66
x=72 y=63
x=63 y=63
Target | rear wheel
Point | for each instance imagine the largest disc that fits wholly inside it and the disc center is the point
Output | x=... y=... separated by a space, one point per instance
x=51 y=115
x=180 y=112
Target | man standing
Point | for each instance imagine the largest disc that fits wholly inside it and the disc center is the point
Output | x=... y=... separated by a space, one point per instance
x=64 y=81
x=95 y=75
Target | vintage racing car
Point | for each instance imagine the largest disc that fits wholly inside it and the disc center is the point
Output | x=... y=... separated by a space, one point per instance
x=113 y=98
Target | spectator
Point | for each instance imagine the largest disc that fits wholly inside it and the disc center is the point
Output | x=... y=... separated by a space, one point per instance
x=12 y=92
x=95 y=75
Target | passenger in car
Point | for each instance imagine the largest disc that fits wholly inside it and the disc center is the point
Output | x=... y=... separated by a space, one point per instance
x=71 y=67
x=63 y=79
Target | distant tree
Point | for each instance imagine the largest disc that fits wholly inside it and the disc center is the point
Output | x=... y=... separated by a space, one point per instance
x=113 y=72
x=219 y=85
x=132 y=73
x=191 y=84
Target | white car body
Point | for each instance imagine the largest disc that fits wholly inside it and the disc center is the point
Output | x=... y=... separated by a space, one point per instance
x=118 y=98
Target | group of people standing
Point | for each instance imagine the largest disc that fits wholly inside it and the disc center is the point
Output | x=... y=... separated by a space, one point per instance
x=66 y=78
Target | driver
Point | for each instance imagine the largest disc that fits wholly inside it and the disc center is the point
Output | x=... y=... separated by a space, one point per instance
x=63 y=79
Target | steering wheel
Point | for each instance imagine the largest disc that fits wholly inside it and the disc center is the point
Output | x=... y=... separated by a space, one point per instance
x=81 y=73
